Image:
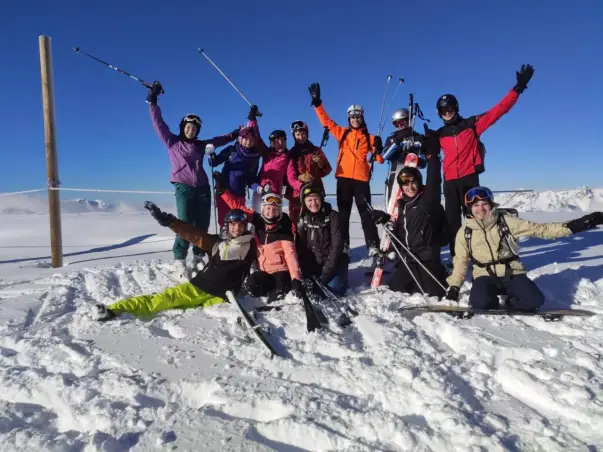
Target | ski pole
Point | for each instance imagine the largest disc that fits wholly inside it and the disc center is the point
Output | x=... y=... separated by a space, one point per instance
x=393 y=236
x=391 y=102
x=330 y=295
x=213 y=189
x=202 y=52
x=325 y=138
x=344 y=318
x=115 y=68
x=379 y=128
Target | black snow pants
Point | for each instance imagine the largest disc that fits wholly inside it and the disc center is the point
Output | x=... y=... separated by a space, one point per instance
x=402 y=280
x=454 y=200
x=349 y=190
x=523 y=293
x=275 y=285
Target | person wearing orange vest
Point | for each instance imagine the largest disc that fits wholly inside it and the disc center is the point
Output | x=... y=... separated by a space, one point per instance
x=353 y=169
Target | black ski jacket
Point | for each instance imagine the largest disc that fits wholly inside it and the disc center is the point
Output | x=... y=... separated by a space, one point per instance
x=422 y=224
x=319 y=242
x=229 y=262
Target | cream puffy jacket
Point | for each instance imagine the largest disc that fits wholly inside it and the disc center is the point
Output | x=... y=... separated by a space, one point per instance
x=486 y=247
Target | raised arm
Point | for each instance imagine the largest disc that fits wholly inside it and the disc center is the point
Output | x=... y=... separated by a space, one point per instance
x=222 y=140
x=432 y=192
x=160 y=126
x=190 y=233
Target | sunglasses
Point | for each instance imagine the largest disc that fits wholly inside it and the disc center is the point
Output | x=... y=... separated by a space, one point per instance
x=273 y=200
x=193 y=119
x=478 y=194
x=406 y=180
x=355 y=116
x=446 y=110
x=298 y=125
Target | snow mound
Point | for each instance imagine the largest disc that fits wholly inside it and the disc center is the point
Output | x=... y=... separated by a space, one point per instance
x=582 y=200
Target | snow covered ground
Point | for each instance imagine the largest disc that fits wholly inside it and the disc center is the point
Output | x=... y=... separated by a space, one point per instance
x=192 y=380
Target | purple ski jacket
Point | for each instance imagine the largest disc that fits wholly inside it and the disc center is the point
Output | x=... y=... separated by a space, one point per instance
x=186 y=158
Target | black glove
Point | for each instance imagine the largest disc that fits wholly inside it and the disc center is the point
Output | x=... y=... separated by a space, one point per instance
x=523 y=77
x=163 y=218
x=314 y=89
x=585 y=223
x=297 y=288
x=154 y=91
x=453 y=293
x=379 y=216
x=431 y=143
x=218 y=183
x=235 y=133
x=378 y=145
x=253 y=113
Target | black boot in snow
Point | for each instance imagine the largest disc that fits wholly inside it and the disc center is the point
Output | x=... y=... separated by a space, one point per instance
x=103 y=314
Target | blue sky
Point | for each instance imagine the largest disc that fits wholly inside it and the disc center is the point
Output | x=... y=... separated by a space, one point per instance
x=273 y=50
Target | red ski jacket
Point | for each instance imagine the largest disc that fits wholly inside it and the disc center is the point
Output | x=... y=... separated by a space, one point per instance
x=460 y=143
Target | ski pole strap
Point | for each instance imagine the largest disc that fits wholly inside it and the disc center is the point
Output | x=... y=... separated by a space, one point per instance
x=325 y=138
x=419 y=113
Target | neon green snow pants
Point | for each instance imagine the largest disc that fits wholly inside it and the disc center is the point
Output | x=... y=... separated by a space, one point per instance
x=182 y=296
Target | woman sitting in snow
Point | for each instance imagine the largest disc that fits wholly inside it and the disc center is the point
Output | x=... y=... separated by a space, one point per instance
x=279 y=270
x=490 y=241
x=232 y=254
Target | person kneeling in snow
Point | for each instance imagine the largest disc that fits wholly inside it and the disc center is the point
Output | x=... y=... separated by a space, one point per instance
x=278 y=266
x=232 y=253
x=421 y=226
x=490 y=241
x=319 y=241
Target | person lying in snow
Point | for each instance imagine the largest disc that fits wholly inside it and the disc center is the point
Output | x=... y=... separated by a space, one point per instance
x=319 y=241
x=490 y=240
x=421 y=226
x=278 y=265
x=231 y=255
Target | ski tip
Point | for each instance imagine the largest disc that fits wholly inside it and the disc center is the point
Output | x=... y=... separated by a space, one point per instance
x=201 y=50
x=76 y=49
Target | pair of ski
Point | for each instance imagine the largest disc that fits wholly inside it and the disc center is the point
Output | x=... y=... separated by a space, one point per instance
x=412 y=160
x=466 y=312
x=315 y=318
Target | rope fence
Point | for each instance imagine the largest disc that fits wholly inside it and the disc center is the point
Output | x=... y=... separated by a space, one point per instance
x=145 y=192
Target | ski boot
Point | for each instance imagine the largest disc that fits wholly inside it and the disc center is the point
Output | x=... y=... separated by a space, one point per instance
x=104 y=314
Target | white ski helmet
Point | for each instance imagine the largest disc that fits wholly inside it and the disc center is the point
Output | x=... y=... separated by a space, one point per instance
x=355 y=109
x=399 y=114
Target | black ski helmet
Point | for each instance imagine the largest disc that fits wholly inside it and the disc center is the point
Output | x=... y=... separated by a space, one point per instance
x=310 y=189
x=193 y=119
x=447 y=101
x=232 y=216
x=413 y=172
x=277 y=134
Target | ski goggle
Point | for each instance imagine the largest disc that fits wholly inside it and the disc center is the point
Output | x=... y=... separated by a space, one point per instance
x=276 y=200
x=478 y=194
x=194 y=119
x=298 y=125
x=404 y=179
x=399 y=123
x=355 y=115
x=231 y=218
x=446 y=109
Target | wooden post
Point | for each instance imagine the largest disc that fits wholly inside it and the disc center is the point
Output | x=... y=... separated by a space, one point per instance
x=54 y=200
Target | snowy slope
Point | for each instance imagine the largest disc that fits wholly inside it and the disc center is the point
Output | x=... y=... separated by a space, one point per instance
x=192 y=380
x=582 y=199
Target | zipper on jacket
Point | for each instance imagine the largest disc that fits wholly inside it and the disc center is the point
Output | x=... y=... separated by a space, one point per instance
x=456 y=145
x=487 y=243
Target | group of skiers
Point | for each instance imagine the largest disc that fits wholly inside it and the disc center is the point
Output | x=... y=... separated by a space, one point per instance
x=282 y=251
